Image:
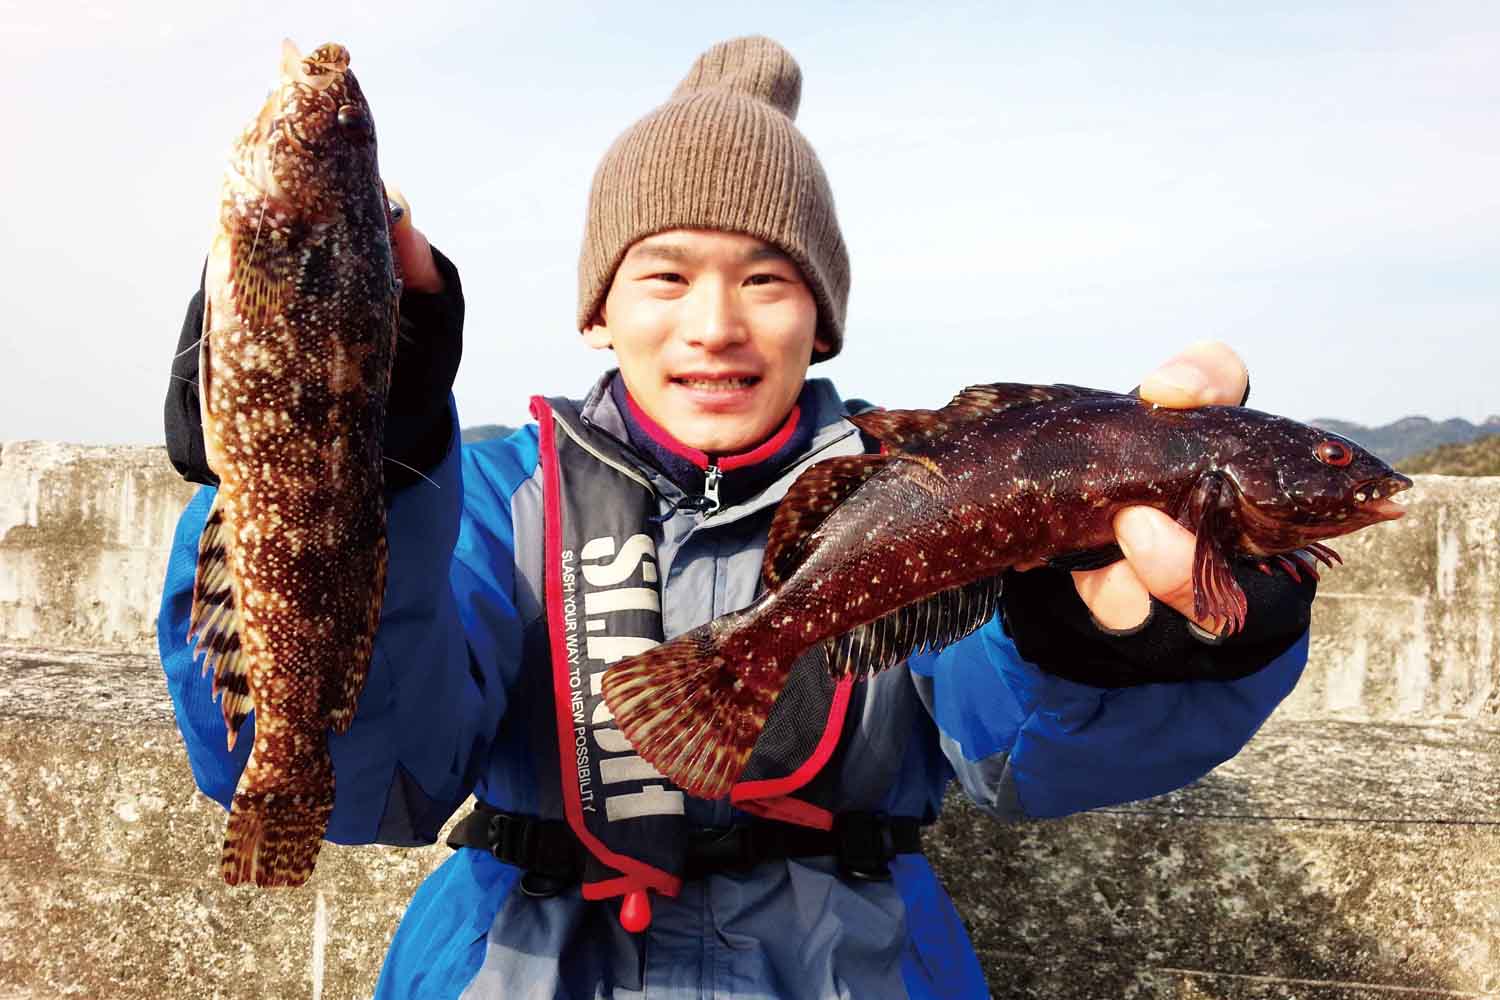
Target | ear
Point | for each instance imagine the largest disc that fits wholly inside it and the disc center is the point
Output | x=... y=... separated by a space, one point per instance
x=821 y=344
x=597 y=335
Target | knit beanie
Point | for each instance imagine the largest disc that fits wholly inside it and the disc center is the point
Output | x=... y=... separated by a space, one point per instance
x=722 y=153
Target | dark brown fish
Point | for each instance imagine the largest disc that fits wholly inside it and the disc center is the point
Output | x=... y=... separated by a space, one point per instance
x=298 y=334
x=878 y=556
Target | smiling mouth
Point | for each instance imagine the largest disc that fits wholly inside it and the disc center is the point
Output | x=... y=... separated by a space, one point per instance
x=724 y=384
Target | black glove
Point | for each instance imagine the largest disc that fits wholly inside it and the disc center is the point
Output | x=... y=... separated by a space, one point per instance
x=417 y=426
x=1053 y=628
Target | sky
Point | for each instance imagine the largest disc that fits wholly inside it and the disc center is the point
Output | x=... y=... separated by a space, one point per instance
x=1042 y=192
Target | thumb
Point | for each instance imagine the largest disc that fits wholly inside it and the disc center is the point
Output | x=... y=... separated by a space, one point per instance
x=419 y=271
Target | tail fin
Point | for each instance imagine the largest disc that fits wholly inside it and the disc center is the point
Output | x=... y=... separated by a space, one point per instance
x=694 y=707
x=274 y=836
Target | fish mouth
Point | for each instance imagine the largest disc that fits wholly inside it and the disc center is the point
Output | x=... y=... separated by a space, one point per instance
x=1374 y=497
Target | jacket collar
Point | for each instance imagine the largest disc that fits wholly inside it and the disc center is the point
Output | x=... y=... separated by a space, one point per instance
x=822 y=432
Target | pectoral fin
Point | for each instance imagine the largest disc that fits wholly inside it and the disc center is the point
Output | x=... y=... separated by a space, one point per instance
x=821 y=488
x=1209 y=515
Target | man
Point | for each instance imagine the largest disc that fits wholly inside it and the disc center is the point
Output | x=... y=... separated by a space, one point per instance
x=714 y=269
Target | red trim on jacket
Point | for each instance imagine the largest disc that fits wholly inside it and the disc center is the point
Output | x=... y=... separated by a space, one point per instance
x=701 y=459
x=766 y=448
x=749 y=795
x=661 y=436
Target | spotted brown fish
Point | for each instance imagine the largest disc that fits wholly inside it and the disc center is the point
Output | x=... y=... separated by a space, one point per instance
x=299 y=330
x=877 y=556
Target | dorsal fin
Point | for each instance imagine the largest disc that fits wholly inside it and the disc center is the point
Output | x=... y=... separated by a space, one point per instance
x=896 y=428
x=216 y=623
x=932 y=624
x=821 y=487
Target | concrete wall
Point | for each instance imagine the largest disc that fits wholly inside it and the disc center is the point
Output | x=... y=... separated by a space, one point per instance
x=1351 y=851
x=83 y=539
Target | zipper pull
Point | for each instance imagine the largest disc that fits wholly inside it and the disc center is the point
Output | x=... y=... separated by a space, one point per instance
x=711 y=487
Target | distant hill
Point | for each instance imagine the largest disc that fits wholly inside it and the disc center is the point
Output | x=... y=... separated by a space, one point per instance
x=483 y=432
x=1410 y=435
x=1480 y=457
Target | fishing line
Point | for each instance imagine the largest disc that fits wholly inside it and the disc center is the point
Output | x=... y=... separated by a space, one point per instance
x=258 y=222
x=409 y=468
x=188 y=348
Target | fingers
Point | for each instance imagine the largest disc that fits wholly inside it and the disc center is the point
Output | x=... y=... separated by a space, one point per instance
x=1160 y=551
x=1205 y=373
x=419 y=273
x=1115 y=595
x=1158 y=563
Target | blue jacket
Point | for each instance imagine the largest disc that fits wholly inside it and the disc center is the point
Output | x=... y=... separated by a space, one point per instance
x=452 y=707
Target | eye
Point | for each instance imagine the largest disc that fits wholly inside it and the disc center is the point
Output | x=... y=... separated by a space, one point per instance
x=352 y=118
x=1334 y=453
x=763 y=279
x=666 y=276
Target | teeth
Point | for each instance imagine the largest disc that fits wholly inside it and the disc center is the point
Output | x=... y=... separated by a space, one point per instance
x=717 y=383
x=1375 y=494
x=1359 y=497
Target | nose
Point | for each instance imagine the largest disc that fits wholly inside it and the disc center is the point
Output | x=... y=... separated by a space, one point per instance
x=716 y=320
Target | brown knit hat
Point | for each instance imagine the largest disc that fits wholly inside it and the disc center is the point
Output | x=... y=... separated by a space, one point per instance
x=722 y=154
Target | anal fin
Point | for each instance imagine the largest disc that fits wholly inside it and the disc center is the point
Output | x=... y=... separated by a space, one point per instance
x=216 y=622
x=932 y=624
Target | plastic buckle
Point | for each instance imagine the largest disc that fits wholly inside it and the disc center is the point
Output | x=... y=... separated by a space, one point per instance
x=539 y=886
x=513 y=840
x=866 y=845
x=728 y=849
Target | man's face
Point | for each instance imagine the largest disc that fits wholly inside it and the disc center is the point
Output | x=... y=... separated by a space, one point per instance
x=713 y=333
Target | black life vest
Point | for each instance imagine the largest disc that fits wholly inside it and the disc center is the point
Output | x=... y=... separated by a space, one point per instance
x=602 y=600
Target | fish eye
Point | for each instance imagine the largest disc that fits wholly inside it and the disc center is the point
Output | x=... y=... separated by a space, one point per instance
x=353 y=117
x=1334 y=453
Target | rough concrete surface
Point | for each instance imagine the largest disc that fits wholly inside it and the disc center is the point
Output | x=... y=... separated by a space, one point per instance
x=84 y=533
x=1351 y=852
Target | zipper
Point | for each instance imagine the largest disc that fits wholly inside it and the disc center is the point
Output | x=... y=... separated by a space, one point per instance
x=711 y=479
x=709 y=502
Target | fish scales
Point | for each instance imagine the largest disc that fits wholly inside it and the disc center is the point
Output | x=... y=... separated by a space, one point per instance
x=880 y=556
x=299 y=332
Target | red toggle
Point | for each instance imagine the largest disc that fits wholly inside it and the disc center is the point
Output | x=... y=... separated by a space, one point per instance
x=635 y=911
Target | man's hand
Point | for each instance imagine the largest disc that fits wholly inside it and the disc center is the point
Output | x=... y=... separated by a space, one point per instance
x=1158 y=551
x=414 y=254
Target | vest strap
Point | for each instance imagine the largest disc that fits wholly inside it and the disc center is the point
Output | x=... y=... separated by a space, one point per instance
x=864 y=843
